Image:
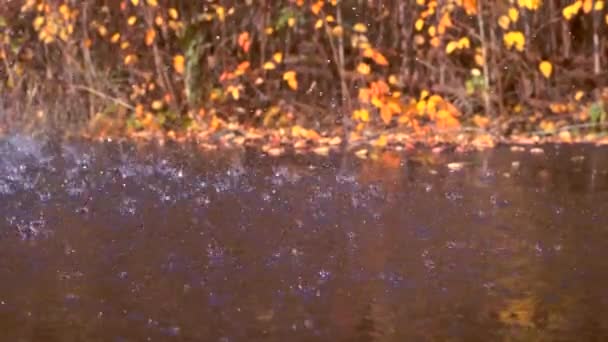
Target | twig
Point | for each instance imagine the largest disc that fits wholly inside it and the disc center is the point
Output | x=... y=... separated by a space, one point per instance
x=104 y=96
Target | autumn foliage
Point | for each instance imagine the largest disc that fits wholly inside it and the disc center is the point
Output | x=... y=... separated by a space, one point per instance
x=416 y=65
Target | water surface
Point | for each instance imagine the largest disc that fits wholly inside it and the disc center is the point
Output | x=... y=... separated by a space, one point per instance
x=116 y=242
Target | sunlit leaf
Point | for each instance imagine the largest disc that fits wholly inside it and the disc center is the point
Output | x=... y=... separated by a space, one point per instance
x=316 y=7
x=360 y=28
x=570 y=11
x=152 y=3
x=504 y=21
x=150 y=36
x=514 y=39
x=173 y=14
x=179 y=63
x=546 y=68
x=269 y=66
x=132 y=20
x=513 y=14
x=363 y=68
x=290 y=78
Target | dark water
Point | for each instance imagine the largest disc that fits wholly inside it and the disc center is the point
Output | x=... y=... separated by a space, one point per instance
x=130 y=243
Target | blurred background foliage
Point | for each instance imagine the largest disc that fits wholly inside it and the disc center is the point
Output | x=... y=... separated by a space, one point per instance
x=163 y=65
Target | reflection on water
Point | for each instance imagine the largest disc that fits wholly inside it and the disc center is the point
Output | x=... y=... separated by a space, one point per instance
x=125 y=243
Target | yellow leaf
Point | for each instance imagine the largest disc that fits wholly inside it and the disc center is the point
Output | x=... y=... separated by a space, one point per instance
x=363 y=68
x=115 y=38
x=157 y=105
x=38 y=22
x=152 y=3
x=579 y=95
x=221 y=13
x=451 y=47
x=290 y=78
x=132 y=20
x=291 y=22
x=587 y=5
x=419 y=24
x=513 y=14
x=515 y=39
x=599 y=5
x=277 y=57
x=360 y=28
x=178 y=64
x=570 y=11
x=135 y=2
x=102 y=30
x=464 y=43
x=173 y=13
x=532 y=5
x=381 y=141
x=318 y=24
x=130 y=59
x=269 y=66
x=504 y=22
x=546 y=68
x=361 y=115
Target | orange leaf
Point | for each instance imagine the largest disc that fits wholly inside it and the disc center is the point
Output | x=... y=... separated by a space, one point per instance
x=244 y=41
x=150 y=36
x=178 y=64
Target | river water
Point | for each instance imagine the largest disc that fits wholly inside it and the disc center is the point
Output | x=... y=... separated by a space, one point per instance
x=119 y=242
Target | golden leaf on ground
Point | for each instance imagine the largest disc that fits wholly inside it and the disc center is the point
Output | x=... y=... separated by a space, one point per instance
x=419 y=24
x=382 y=141
x=135 y=2
x=278 y=57
x=546 y=68
x=481 y=121
x=322 y=150
x=132 y=20
x=152 y=3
